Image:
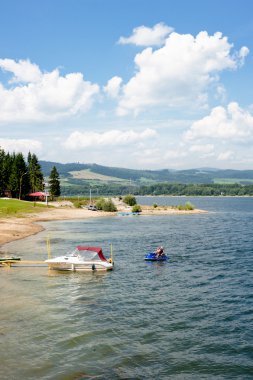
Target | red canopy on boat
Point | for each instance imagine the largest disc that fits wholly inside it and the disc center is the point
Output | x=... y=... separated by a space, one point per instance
x=94 y=249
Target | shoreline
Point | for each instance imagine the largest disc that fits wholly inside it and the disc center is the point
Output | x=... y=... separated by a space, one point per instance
x=16 y=228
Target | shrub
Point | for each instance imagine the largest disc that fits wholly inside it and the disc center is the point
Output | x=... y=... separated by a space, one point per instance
x=155 y=205
x=100 y=203
x=129 y=200
x=77 y=204
x=109 y=206
x=136 y=208
x=187 y=206
x=106 y=205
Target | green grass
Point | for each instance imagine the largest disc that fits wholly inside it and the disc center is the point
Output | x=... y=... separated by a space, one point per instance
x=14 y=207
x=230 y=181
x=87 y=174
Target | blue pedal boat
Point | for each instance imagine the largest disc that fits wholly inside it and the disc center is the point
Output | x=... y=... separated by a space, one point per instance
x=153 y=257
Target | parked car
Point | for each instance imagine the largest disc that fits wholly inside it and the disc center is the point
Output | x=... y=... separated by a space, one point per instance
x=92 y=208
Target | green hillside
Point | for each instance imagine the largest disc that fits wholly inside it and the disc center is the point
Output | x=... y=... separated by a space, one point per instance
x=107 y=174
x=79 y=178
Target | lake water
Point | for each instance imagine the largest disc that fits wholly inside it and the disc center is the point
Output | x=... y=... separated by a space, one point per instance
x=188 y=318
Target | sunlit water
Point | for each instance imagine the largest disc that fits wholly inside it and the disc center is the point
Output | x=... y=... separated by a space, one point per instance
x=188 y=318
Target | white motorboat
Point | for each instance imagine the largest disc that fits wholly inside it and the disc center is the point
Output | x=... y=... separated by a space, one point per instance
x=83 y=258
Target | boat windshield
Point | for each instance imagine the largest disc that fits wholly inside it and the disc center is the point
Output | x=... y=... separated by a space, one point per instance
x=85 y=255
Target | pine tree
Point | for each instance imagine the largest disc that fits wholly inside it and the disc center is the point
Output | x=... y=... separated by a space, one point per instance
x=35 y=174
x=19 y=181
x=6 y=171
x=54 y=183
x=2 y=184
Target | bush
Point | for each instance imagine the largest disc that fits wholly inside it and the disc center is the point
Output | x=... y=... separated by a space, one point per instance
x=186 y=207
x=155 y=205
x=136 y=208
x=77 y=204
x=106 y=205
x=189 y=206
x=129 y=200
x=100 y=203
x=109 y=206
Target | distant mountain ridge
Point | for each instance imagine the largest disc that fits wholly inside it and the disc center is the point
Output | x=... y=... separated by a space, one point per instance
x=140 y=177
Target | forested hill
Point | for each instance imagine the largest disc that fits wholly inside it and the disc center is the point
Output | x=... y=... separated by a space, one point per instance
x=193 y=176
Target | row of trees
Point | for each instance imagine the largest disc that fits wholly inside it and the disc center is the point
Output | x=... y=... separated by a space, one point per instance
x=215 y=189
x=160 y=189
x=19 y=177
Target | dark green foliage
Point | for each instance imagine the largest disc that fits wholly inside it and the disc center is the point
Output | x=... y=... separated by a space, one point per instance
x=162 y=189
x=54 y=183
x=136 y=208
x=35 y=174
x=109 y=206
x=106 y=205
x=18 y=182
x=129 y=200
x=100 y=203
x=18 y=178
x=187 y=206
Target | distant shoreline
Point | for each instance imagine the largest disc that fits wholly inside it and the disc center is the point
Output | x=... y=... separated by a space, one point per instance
x=13 y=228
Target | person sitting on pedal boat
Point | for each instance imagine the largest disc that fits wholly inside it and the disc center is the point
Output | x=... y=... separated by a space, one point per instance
x=159 y=252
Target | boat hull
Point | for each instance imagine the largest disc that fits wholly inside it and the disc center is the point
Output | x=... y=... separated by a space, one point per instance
x=83 y=259
x=153 y=257
x=82 y=267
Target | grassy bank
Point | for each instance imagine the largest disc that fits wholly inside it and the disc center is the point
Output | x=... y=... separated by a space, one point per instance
x=17 y=208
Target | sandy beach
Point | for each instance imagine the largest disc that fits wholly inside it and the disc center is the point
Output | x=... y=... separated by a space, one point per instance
x=13 y=228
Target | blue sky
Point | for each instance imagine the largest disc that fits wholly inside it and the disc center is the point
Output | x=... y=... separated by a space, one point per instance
x=136 y=83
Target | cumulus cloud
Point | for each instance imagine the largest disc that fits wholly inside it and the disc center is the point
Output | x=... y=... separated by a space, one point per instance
x=80 y=140
x=231 y=123
x=43 y=96
x=20 y=145
x=204 y=149
x=179 y=73
x=23 y=70
x=113 y=87
x=224 y=156
x=144 y=36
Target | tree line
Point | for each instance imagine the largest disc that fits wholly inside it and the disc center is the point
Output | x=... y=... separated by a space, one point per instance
x=176 y=189
x=20 y=176
x=214 y=189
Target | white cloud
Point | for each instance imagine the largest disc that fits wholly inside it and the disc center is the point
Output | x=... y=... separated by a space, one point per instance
x=45 y=96
x=24 y=71
x=113 y=87
x=79 y=140
x=179 y=73
x=21 y=145
x=224 y=156
x=204 y=149
x=231 y=123
x=144 y=36
x=244 y=51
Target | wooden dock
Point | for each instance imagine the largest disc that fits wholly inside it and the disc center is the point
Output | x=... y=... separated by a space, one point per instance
x=22 y=263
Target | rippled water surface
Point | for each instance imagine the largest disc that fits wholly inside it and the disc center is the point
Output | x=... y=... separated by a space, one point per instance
x=188 y=318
